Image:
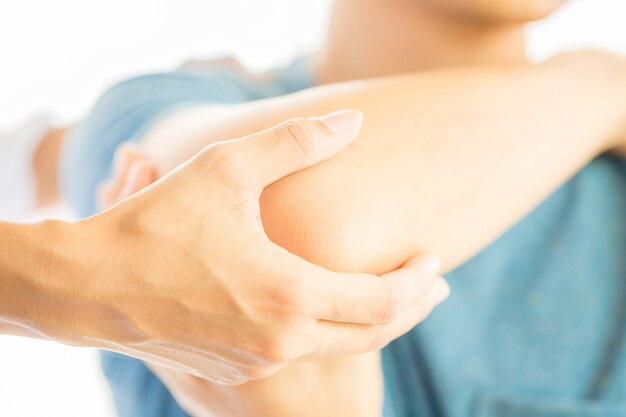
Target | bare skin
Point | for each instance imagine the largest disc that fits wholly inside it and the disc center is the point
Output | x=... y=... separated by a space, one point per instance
x=445 y=183
x=374 y=38
x=286 y=393
x=501 y=44
x=385 y=38
x=207 y=293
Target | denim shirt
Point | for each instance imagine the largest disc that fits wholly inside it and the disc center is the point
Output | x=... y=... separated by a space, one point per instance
x=535 y=325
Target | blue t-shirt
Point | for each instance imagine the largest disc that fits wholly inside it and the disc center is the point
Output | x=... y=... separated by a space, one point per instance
x=535 y=325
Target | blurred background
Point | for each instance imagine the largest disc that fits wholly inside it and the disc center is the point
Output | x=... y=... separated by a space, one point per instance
x=58 y=56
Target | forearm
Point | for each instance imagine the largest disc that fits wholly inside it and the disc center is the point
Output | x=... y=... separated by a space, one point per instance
x=34 y=280
x=55 y=286
x=441 y=155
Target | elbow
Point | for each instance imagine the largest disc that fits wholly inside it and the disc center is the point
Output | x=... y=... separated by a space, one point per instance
x=333 y=233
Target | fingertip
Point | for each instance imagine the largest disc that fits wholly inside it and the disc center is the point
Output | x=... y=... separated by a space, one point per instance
x=440 y=290
x=342 y=121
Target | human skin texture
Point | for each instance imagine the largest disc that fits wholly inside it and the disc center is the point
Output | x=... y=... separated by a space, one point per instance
x=441 y=155
x=375 y=38
x=438 y=151
x=183 y=275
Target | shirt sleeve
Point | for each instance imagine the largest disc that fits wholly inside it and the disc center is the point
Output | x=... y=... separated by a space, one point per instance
x=126 y=111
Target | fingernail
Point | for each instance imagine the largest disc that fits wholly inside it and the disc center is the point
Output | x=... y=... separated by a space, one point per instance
x=344 y=121
x=440 y=291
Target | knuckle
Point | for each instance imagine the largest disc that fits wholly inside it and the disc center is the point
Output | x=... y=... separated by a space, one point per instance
x=275 y=352
x=293 y=302
x=286 y=343
x=224 y=163
x=221 y=157
x=299 y=134
x=389 y=308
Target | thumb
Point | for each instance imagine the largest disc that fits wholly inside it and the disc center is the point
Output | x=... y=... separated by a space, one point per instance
x=266 y=157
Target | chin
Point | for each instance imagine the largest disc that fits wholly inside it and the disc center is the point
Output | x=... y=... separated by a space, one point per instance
x=497 y=11
x=512 y=10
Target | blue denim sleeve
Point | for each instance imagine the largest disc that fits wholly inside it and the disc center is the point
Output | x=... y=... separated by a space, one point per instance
x=122 y=114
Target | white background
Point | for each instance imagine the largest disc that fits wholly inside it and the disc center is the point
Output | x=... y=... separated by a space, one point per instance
x=57 y=56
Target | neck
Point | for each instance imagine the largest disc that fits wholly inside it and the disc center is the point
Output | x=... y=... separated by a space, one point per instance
x=374 y=38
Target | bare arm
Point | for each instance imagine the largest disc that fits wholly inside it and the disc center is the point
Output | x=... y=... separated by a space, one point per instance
x=441 y=155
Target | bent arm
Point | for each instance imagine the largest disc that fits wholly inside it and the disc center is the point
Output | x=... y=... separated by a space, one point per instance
x=445 y=162
x=442 y=155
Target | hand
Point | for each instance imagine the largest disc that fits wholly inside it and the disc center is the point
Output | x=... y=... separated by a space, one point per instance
x=194 y=284
x=341 y=385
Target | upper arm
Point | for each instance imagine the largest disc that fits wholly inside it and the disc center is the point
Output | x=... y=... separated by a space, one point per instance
x=445 y=162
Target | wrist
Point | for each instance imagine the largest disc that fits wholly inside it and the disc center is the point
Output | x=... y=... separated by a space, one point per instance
x=40 y=279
